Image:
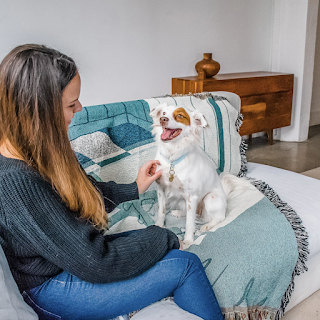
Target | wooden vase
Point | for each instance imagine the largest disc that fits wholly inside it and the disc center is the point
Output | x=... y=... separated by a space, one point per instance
x=207 y=67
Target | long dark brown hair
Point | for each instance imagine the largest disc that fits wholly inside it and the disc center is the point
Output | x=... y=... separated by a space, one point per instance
x=32 y=81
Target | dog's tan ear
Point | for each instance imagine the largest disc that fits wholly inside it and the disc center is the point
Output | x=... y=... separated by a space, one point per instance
x=157 y=110
x=199 y=119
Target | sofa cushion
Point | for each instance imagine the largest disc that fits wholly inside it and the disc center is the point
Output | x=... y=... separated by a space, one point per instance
x=164 y=309
x=12 y=305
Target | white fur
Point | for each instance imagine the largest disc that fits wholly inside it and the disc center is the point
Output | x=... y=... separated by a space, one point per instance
x=196 y=187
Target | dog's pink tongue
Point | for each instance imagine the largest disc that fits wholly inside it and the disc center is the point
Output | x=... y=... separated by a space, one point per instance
x=166 y=133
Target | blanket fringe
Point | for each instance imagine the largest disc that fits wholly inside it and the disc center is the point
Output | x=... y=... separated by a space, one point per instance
x=243 y=148
x=243 y=168
x=299 y=231
x=201 y=95
x=249 y=313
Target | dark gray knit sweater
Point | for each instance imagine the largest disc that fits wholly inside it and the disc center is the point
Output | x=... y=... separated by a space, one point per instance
x=42 y=237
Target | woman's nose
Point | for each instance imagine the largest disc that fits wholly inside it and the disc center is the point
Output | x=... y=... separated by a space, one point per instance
x=78 y=107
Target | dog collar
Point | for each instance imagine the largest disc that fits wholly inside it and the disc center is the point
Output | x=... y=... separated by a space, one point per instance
x=172 y=164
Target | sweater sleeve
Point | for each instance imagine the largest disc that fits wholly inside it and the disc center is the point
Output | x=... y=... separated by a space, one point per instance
x=38 y=218
x=114 y=193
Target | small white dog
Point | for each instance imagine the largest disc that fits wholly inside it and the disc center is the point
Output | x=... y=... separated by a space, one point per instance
x=189 y=180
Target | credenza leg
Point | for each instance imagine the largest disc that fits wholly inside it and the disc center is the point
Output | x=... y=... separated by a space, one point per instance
x=270 y=136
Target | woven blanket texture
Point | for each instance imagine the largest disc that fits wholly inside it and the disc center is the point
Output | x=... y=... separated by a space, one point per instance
x=251 y=257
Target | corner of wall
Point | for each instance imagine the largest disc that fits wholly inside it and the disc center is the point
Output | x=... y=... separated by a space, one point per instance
x=293 y=51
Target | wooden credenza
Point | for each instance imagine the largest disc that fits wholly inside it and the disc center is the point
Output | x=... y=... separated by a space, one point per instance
x=266 y=97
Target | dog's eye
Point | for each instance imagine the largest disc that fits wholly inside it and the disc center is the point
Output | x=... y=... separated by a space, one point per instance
x=179 y=116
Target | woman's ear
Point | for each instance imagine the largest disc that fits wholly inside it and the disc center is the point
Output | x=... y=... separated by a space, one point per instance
x=157 y=110
x=199 y=119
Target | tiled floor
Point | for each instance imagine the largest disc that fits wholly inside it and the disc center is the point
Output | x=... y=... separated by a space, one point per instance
x=313 y=173
x=306 y=310
x=293 y=156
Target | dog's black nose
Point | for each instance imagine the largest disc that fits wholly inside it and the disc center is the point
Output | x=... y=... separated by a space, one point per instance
x=163 y=121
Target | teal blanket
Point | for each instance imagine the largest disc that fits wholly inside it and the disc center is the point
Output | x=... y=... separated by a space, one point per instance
x=251 y=257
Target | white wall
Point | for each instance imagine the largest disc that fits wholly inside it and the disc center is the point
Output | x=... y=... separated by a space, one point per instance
x=315 y=102
x=130 y=49
x=293 y=51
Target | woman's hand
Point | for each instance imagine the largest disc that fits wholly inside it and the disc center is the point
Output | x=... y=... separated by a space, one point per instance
x=147 y=174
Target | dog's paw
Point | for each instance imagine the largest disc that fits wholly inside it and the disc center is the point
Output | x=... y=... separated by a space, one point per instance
x=186 y=243
x=206 y=227
x=177 y=213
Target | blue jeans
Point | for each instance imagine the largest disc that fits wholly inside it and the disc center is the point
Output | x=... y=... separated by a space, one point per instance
x=179 y=274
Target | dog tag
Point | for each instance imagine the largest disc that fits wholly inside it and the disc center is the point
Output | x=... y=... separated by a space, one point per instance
x=171 y=172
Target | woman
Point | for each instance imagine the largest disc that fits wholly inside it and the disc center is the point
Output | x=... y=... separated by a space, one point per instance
x=52 y=215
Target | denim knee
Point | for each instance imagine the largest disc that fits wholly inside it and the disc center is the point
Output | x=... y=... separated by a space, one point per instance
x=175 y=253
